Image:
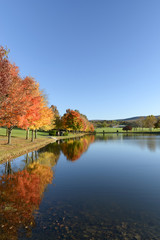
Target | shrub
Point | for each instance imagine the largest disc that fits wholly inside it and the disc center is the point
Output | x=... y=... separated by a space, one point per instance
x=127 y=128
x=52 y=133
x=65 y=133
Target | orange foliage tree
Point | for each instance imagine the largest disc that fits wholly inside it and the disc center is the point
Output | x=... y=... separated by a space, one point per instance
x=5 y=76
x=72 y=120
x=33 y=104
x=45 y=119
x=13 y=106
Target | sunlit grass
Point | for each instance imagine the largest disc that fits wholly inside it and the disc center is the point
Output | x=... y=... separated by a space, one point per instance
x=109 y=129
x=21 y=133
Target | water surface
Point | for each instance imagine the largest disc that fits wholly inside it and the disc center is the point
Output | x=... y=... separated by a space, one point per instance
x=103 y=187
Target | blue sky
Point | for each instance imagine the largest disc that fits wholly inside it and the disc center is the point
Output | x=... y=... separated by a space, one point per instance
x=101 y=57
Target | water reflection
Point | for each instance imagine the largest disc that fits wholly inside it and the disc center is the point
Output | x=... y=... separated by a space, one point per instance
x=22 y=186
x=73 y=149
x=22 y=191
x=21 y=194
x=142 y=141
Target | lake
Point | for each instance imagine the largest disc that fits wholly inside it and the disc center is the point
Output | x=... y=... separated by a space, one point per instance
x=95 y=187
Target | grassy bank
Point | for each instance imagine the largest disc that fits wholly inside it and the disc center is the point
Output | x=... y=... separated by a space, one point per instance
x=20 y=145
x=111 y=130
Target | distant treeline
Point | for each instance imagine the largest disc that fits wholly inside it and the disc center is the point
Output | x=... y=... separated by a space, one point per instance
x=141 y=122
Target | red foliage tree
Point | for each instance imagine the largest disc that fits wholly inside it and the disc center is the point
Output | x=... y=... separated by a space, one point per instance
x=72 y=120
x=5 y=76
x=13 y=106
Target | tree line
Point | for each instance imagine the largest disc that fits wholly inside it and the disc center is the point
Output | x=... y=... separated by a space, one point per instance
x=147 y=122
x=142 y=122
x=24 y=105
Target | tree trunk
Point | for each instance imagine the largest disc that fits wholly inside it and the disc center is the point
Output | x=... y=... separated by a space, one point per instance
x=32 y=140
x=27 y=134
x=6 y=131
x=9 y=135
x=36 y=134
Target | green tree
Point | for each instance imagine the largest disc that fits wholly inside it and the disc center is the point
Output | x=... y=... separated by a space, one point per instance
x=57 y=119
x=157 y=124
x=150 y=121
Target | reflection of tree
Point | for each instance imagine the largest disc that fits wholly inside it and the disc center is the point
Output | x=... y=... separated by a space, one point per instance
x=49 y=155
x=73 y=149
x=8 y=168
x=142 y=141
x=151 y=144
x=21 y=194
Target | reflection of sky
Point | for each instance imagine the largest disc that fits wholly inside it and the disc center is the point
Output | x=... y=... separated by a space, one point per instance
x=112 y=170
x=17 y=164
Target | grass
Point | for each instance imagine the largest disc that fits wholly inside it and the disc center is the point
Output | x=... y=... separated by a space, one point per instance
x=21 y=133
x=109 y=129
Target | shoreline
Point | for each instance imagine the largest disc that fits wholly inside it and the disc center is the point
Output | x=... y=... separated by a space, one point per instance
x=12 y=151
x=129 y=132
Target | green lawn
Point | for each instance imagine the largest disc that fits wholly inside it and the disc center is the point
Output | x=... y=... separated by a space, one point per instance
x=108 y=129
x=21 y=133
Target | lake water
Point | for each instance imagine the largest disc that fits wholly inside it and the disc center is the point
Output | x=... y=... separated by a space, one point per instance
x=89 y=188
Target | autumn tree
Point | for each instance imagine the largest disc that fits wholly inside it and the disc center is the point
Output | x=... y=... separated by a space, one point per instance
x=45 y=119
x=55 y=110
x=5 y=74
x=33 y=105
x=150 y=121
x=91 y=127
x=72 y=120
x=13 y=106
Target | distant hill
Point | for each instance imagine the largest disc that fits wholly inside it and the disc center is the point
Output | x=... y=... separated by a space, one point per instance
x=123 y=119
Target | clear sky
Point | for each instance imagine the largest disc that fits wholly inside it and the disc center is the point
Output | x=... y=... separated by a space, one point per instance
x=101 y=57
